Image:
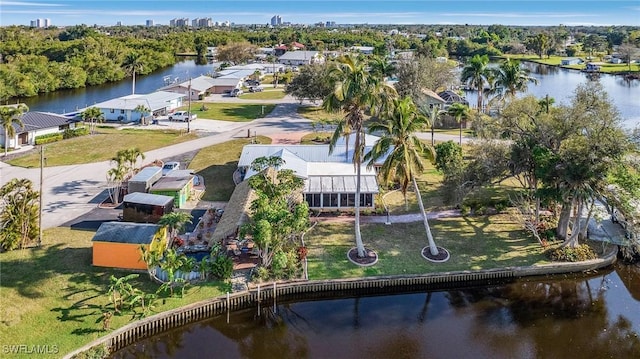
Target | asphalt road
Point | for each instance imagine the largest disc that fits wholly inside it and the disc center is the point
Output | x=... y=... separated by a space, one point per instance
x=74 y=190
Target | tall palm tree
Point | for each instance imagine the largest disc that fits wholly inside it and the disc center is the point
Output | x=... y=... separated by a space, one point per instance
x=175 y=221
x=11 y=115
x=93 y=115
x=356 y=91
x=133 y=63
x=141 y=109
x=405 y=152
x=476 y=75
x=510 y=78
x=459 y=111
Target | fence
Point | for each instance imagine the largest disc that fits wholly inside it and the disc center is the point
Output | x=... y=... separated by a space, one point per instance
x=162 y=322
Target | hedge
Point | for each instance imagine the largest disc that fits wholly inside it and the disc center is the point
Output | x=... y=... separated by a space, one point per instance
x=52 y=137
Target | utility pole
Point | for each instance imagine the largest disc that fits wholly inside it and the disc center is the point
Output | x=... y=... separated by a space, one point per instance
x=189 y=110
x=40 y=197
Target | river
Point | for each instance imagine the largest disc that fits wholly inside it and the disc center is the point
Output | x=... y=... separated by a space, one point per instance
x=565 y=316
x=553 y=81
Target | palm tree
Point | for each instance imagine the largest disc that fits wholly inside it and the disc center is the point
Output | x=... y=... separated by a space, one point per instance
x=356 y=91
x=510 y=78
x=133 y=63
x=175 y=221
x=459 y=111
x=141 y=109
x=93 y=115
x=11 y=115
x=405 y=151
x=476 y=75
x=381 y=67
x=131 y=155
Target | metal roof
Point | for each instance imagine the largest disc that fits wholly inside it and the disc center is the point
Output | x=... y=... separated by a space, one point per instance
x=154 y=101
x=308 y=153
x=145 y=174
x=298 y=55
x=291 y=162
x=235 y=74
x=39 y=120
x=340 y=184
x=126 y=232
x=171 y=183
x=179 y=173
x=148 y=198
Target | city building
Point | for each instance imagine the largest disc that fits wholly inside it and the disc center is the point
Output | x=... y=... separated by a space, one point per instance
x=202 y=22
x=276 y=20
x=40 y=23
x=182 y=22
x=149 y=23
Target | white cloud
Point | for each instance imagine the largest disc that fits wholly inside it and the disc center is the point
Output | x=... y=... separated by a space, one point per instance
x=518 y=15
x=25 y=3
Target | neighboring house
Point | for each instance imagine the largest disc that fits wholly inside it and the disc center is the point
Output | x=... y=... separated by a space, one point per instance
x=281 y=49
x=225 y=84
x=196 y=88
x=117 y=244
x=366 y=50
x=330 y=179
x=451 y=97
x=122 y=108
x=37 y=124
x=431 y=99
x=570 y=61
x=145 y=207
x=298 y=58
x=177 y=185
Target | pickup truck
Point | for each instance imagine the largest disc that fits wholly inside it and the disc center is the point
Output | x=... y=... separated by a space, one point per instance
x=182 y=116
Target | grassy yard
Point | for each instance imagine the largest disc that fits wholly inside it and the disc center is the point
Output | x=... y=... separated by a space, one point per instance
x=266 y=94
x=217 y=163
x=53 y=295
x=234 y=112
x=102 y=146
x=318 y=114
x=483 y=242
x=557 y=60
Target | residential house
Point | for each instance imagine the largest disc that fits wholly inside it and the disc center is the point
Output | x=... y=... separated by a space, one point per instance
x=451 y=97
x=366 y=50
x=570 y=61
x=123 y=108
x=281 y=49
x=299 y=58
x=330 y=179
x=196 y=88
x=431 y=99
x=117 y=244
x=37 y=124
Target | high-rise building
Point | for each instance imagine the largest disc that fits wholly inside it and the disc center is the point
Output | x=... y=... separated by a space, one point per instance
x=182 y=22
x=119 y=23
x=276 y=20
x=202 y=22
x=149 y=23
x=42 y=23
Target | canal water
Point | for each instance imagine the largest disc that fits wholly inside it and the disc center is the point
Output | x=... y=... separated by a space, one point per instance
x=566 y=316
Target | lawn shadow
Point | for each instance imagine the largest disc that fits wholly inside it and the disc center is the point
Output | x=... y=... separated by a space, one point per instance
x=219 y=181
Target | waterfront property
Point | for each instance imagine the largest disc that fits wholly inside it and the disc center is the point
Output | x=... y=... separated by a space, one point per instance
x=117 y=244
x=570 y=61
x=330 y=179
x=124 y=109
x=201 y=86
x=37 y=124
x=298 y=58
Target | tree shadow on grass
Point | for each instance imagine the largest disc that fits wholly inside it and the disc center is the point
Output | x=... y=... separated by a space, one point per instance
x=218 y=180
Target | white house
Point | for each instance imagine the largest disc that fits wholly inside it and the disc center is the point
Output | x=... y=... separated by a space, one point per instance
x=366 y=50
x=330 y=179
x=298 y=58
x=570 y=61
x=37 y=124
x=123 y=108
x=196 y=88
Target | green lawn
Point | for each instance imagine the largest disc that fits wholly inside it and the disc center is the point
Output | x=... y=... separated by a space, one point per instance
x=102 y=146
x=217 y=163
x=53 y=295
x=234 y=112
x=556 y=61
x=474 y=243
x=266 y=94
x=315 y=138
x=318 y=114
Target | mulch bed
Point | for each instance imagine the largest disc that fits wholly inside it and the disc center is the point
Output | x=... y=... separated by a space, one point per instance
x=370 y=257
x=442 y=256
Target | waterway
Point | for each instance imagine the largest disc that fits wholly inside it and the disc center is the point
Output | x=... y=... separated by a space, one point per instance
x=566 y=316
x=553 y=81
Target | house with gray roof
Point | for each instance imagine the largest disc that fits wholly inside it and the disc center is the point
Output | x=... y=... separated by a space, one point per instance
x=123 y=108
x=37 y=124
x=202 y=86
x=299 y=58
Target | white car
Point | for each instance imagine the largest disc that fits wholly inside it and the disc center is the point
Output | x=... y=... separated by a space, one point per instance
x=236 y=92
x=182 y=116
x=170 y=166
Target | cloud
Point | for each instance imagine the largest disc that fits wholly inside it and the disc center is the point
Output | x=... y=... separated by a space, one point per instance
x=518 y=15
x=25 y=3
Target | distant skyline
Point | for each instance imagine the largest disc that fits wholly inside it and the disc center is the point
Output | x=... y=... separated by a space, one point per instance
x=474 y=12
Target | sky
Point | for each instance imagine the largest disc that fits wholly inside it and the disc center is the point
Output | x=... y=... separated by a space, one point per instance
x=511 y=12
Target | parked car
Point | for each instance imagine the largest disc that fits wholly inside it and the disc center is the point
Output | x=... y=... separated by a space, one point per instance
x=236 y=92
x=182 y=116
x=249 y=83
x=255 y=89
x=170 y=166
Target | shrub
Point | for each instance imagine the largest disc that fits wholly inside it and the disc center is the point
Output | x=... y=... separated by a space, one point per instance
x=262 y=273
x=75 y=132
x=567 y=254
x=52 y=137
x=465 y=210
x=222 y=267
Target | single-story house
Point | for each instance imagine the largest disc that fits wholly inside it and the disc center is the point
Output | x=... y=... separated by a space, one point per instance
x=176 y=185
x=570 y=61
x=451 y=97
x=281 y=49
x=298 y=58
x=37 y=124
x=431 y=99
x=145 y=207
x=330 y=179
x=117 y=244
x=366 y=50
x=123 y=108
x=196 y=88
x=240 y=74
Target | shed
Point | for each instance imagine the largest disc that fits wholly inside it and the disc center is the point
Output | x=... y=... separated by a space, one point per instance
x=570 y=61
x=145 y=207
x=144 y=179
x=178 y=188
x=117 y=244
